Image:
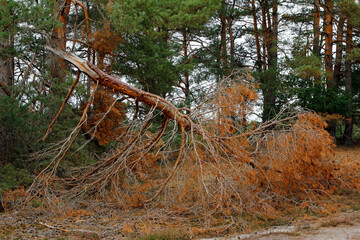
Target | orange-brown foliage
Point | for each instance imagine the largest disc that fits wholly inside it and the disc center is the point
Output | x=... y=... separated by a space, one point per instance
x=11 y=198
x=227 y=166
x=297 y=163
x=237 y=165
x=78 y=213
x=241 y=167
x=104 y=41
x=105 y=128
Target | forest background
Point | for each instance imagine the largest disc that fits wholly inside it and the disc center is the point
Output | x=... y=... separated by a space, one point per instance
x=269 y=61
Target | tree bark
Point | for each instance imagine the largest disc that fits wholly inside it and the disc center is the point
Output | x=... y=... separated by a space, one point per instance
x=232 y=41
x=348 y=85
x=316 y=44
x=58 y=40
x=6 y=68
x=264 y=33
x=117 y=85
x=339 y=50
x=186 y=88
x=256 y=34
x=328 y=27
x=6 y=83
x=271 y=42
x=223 y=35
x=328 y=14
x=274 y=36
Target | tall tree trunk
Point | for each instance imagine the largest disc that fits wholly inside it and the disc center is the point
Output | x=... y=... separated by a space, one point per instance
x=232 y=41
x=6 y=67
x=316 y=44
x=264 y=33
x=6 y=83
x=89 y=52
x=58 y=40
x=339 y=50
x=268 y=31
x=186 y=88
x=223 y=35
x=328 y=14
x=348 y=85
x=270 y=78
x=274 y=37
x=258 y=64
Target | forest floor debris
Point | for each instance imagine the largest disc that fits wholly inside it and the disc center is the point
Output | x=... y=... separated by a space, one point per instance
x=23 y=225
x=341 y=220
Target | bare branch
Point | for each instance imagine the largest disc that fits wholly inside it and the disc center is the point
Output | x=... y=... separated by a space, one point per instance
x=63 y=104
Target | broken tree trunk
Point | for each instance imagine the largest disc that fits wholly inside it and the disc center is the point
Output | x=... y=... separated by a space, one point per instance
x=117 y=85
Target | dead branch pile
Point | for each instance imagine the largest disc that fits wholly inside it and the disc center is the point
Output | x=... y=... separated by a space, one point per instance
x=211 y=160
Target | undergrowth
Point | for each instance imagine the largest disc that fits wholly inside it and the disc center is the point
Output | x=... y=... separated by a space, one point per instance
x=225 y=173
x=12 y=178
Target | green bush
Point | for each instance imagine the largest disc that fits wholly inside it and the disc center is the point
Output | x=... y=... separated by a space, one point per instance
x=11 y=177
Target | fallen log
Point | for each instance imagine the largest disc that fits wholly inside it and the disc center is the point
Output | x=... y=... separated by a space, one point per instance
x=116 y=85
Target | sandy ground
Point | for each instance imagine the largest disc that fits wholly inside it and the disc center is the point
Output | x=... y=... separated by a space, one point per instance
x=340 y=232
x=341 y=226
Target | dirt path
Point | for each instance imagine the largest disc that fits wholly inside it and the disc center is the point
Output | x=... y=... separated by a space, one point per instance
x=340 y=232
x=342 y=226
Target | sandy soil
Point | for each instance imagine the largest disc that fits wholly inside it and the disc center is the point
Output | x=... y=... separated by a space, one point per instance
x=340 y=232
x=341 y=226
x=348 y=231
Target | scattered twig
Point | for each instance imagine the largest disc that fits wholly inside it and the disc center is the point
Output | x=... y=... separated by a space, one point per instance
x=65 y=230
x=52 y=227
x=183 y=136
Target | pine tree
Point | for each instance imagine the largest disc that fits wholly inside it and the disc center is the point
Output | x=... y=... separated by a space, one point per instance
x=325 y=73
x=151 y=53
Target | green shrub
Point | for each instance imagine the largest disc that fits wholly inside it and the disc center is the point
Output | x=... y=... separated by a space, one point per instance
x=11 y=177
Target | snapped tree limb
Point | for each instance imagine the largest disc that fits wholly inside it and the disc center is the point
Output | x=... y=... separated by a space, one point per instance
x=117 y=85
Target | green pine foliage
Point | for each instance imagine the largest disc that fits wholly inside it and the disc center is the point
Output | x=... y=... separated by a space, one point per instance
x=149 y=63
x=150 y=54
x=12 y=177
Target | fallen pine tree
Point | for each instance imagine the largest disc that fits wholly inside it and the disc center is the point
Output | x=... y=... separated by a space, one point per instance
x=210 y=159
